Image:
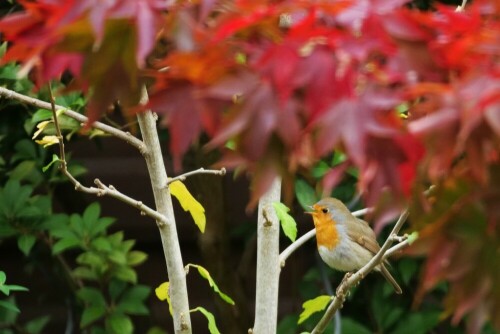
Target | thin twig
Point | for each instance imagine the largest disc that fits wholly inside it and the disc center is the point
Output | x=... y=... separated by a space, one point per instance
x=354 y=279
x=183 y=177
x=462 y=6
x=101 y=190
x=285 y=254
x=125 y=136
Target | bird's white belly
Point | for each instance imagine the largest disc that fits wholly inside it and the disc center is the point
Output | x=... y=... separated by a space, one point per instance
x=345 y=256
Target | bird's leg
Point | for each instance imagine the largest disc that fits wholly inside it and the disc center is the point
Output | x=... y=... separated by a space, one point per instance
x=340 y=289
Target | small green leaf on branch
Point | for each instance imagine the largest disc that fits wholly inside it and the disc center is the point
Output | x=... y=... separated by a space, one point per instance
x=206 y=275
x=288 y=224
x=412 y=237
x=55 y=159
x=212 y=327
x=312 y=306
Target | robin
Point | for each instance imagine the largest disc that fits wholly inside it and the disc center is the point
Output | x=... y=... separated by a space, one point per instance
x=345 y=242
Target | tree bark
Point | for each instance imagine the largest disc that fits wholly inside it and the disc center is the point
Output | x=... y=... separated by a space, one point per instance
x=168 y=231
x=268 y=267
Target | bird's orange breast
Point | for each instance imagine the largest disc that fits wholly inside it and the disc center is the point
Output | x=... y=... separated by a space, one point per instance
x=326 y=233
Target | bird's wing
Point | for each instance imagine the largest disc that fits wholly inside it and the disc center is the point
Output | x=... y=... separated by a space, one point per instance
x=362 y=234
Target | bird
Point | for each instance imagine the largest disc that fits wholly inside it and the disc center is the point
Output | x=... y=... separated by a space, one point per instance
x=345 y=243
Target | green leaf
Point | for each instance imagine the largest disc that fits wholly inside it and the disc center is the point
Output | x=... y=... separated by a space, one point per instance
x=101 y=244
x=21 y=171
x=189 y=203
x=14 y=287
x=206 y=275
x=137 y=293
x=320 y=169
x=91 y=215
x=91 y=314
x=126 y=274
x=392 y=316
x=311 y=306
x=418 y=323
x=350 y=326
x=116 y=288
x=288 y=224
x=288 y=325
x=133 y=308
x=305 y=194
x=91 y=296
x=407 y=268
x=135 y=258
x=41 y=115
x=35 y=326
x=212 y=326
x=117 y=257
x=3 y=277
x=55 y=159
x=85 y=273
x=412 y=237
x=9 y=306
x=66 y=243
x=119 y=323
x=25 y=242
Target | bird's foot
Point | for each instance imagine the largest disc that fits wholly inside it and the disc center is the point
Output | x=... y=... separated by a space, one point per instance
x=341 y=291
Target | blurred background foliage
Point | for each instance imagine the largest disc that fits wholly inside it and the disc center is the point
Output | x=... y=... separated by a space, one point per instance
x=93 y=270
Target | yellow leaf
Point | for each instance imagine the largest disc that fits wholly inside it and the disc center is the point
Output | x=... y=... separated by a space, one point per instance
x=47 y=141
x=314 y=305
x=162 y=294
x=189 y=203
x=40 y=126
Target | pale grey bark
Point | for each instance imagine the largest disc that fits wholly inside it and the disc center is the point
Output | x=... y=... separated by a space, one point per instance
x=268 y=267
x=168 y=231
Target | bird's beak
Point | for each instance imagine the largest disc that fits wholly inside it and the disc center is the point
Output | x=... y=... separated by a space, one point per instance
x=310 y=212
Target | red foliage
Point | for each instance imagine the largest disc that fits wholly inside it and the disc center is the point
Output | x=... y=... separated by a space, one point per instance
x=288 y=82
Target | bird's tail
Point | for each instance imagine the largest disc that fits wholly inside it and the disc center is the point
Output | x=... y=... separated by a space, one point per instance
x=390 y=279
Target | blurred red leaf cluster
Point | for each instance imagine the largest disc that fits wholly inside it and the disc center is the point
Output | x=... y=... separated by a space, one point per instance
x=412 y=98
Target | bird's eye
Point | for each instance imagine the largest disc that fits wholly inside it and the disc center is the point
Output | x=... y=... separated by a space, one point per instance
x=324 y=210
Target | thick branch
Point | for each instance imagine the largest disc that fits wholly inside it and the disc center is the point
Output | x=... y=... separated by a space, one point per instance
x=168 y=232
x=354 y=279
x=125 y=136
x=309 y=235
x=268 y=270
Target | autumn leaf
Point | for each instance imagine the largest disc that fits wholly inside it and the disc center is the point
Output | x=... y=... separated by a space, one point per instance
x=48 y=141
x=189 y=203
x=162 y=292
x=312 y=306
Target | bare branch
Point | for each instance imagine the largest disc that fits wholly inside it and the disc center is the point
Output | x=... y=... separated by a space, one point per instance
x=461 y=8
x=309 y=235
x=125 y=136
x=183 y=177
x=351 y=280
x=101 y=190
